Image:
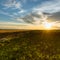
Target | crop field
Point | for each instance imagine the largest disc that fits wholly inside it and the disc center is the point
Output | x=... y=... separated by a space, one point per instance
x=30 y=45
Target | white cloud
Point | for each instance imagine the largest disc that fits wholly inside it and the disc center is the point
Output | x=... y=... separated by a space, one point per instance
x=36 y=21
x=12 y=4
x=18 y=5
x=49 y=6
x=15 y=25
x=15 y=14
x=20 y=20
x=57 y=24
x=6 y=13
x=9 y=23
x=22 y=11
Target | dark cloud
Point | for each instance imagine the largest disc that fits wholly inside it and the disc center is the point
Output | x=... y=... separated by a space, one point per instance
x=30 y=18
x=55 y=16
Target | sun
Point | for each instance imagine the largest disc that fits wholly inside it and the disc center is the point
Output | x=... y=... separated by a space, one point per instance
x=47 y=25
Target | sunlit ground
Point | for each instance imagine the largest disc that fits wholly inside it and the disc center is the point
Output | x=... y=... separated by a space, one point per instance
x=30 y=45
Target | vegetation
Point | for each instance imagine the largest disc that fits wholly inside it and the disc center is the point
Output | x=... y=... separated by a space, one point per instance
x=30 y=45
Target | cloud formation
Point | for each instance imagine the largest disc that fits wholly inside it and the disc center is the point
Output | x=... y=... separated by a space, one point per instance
x=48 y=6
x=33 y=12
x=12 y=4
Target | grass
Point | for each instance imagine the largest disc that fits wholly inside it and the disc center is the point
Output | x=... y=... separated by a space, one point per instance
x=30 y=45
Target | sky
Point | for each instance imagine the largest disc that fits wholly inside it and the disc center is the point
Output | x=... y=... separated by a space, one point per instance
x=29 y=14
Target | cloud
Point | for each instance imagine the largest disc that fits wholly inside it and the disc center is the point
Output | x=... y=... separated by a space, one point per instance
x=33 y=18
x=49 y=11
x=15 y=25
x=12 y=4
x=22 y=11
x=36 y=21
x=9 y=23
x=20 y=20
x=48 y=6
x=14 y=14
x=43 y=12
x=6 y=13
x=55 y=16
x=19 y=27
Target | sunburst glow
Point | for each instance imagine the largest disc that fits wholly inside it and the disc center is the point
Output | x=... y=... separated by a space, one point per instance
x=48 y=25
